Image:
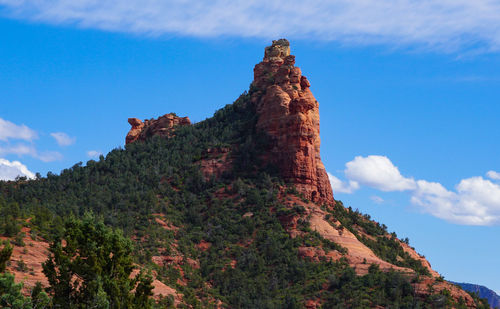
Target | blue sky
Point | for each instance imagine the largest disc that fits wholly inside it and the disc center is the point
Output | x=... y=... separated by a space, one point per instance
x=409 y=98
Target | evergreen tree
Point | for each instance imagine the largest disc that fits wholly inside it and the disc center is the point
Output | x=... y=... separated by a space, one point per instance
x=10 y=293
x=92 y=268
x=39 y=299
x=5 y=254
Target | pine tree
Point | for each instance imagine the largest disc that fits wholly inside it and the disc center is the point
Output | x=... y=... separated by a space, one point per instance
x=92 y=268
x=5 y=254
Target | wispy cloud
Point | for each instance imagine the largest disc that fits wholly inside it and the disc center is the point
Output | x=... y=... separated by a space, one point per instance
x=93 y=153
x=18 y=149
x=10 y=130
x=475 y=200
x=24 y=149
x=63 y=139
x=49 y=156
x=493 y=175
x=9 y=170
x=446 y=25
x=376 y=199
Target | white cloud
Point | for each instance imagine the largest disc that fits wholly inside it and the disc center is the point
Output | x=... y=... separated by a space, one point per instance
x=438 y=24
x=340 y=186
x=10 y=170
x=49 y=156
x=434 y=199
x=93 y=153
x=376 y=199
x=9 y=130
x=493 y=175
x=475 y=202
x=18 y=149
x=23 y=149
x=377 y=172
x=63 y=139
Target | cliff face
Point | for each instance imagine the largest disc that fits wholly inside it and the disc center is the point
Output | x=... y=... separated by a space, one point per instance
x=289 y=114
x=163 y=126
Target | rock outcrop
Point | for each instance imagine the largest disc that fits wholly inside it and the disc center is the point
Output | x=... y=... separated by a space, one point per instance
x=289 y=114
x=163 y=126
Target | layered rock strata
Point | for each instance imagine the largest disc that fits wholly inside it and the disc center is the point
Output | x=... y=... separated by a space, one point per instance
x=163 y=126
x=289 y=114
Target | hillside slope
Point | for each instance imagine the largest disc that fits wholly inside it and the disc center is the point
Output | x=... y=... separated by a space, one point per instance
x=234 y=211
x=483 y=292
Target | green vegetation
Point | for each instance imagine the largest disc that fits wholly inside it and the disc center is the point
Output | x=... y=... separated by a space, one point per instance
x=384 y=245
x=93 y=268
x=11 y=295
x=251 y=262
x=482 y=303
x=5 y=254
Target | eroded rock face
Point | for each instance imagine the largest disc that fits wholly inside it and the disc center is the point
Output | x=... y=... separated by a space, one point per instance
x=163 y=126
x=216 y=161
x=289 y=114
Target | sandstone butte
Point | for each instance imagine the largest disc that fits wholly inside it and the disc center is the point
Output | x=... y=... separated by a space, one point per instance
x=289 y=114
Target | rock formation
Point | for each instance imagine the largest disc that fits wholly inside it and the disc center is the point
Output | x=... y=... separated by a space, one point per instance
x=163 y=126
x=289 y=114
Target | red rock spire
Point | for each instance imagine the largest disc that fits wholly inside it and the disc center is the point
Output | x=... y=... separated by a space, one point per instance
x=289 y=113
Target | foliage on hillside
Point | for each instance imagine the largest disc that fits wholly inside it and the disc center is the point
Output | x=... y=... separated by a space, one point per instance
x=384 y=245
x=251 y=262
x=93 y=267
x=478 y=291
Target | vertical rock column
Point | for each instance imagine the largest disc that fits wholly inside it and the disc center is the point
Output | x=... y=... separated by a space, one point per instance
x=289 y=114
